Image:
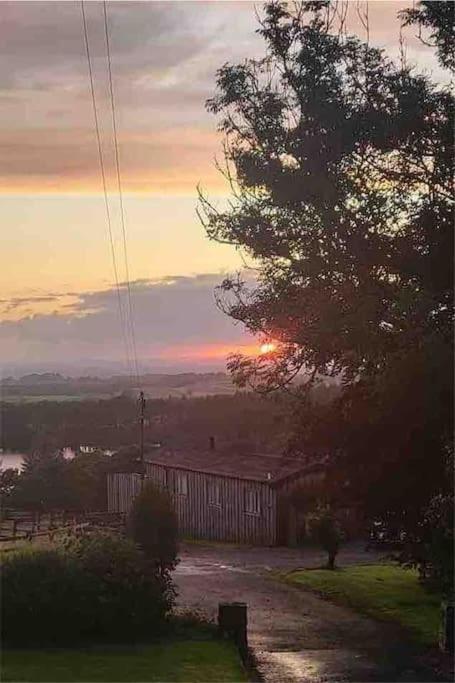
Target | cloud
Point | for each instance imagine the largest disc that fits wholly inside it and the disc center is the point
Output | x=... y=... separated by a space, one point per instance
x=164 y=59
x=174 y=317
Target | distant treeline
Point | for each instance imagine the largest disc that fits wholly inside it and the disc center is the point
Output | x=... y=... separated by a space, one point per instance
x=245 y=420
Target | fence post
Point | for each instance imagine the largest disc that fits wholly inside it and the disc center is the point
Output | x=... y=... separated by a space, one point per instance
x=232 y=622
x=446 y=637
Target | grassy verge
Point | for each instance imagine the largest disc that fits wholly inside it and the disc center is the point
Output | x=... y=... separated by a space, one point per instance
x=380 y=591
x=177 y=661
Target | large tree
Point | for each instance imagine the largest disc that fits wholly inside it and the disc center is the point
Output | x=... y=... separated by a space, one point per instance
x=341 y=167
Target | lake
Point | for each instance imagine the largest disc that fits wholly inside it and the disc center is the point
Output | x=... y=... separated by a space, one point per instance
x=11 y=460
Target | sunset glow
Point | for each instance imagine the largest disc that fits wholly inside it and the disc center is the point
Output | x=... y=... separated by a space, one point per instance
x=268 y=347
x=58 y=278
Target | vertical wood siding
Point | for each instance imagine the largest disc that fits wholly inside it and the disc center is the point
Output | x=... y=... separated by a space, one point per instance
x=198 y=518
x=122 y=488
x=291 y=521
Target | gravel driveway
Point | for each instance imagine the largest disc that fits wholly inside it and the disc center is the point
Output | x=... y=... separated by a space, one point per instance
x=296 y=636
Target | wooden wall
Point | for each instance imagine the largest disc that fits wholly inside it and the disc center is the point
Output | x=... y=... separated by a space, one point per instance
x=122 y=488
x=208 y=506
x=291 y=521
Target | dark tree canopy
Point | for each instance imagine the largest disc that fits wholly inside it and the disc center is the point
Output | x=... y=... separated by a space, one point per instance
x=438 y=17
x=341 y=168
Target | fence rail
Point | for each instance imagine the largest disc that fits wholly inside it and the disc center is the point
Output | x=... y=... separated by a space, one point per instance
x=20 y=525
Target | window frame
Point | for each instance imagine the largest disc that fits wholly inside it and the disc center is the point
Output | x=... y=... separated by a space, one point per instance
x=214 y=501
x=181 y=484
x=253 y=495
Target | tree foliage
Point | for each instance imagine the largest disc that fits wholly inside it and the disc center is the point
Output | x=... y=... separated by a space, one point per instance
x=8 y=482
x=96 y=588
x=152 y=524
x=341 y=168
x=431 y=549
x=50 y=482
x=326 y=532
x=242 y=420
x=439 y=20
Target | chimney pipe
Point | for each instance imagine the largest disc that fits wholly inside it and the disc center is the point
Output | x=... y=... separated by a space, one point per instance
x=212 y=443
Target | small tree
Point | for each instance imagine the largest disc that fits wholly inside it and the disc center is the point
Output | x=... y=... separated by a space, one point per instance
x=8 y=482
x=152 y=524
x=45 y=484
x=325 y=531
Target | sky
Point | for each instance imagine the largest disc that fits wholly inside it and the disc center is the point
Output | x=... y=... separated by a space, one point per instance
x=58 y=302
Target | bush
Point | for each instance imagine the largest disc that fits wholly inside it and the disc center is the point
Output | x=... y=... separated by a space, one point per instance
x=326 y=532
x=431 y=548
x=128 y=591
x=152 y=524
x=41 y=592
x=96 y=588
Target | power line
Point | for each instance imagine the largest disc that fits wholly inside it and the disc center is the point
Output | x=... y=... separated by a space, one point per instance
x=106 y=200
x=119 y=184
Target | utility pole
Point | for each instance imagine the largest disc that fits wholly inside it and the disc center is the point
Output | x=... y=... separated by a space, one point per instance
x=141 y=422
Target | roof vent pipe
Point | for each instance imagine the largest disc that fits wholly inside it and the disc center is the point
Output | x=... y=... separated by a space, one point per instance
x=212 y=443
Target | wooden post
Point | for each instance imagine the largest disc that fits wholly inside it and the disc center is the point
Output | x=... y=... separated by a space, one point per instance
x=14 y=528
x=141 y=422
x=446 y=636
x=232 y=623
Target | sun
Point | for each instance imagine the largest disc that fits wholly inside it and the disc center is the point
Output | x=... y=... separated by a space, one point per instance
x=268 y=347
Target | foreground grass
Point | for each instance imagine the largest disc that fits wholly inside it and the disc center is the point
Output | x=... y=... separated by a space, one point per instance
x=177 y=661
x=380 y=591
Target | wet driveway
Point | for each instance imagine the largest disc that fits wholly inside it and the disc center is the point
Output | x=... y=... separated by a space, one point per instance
x=295 y=636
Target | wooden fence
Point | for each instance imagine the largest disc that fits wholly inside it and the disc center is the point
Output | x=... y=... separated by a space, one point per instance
x=20 y=525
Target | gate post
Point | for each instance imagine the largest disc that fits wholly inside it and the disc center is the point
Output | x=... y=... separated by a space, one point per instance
x=232 y=622
x=446 y=636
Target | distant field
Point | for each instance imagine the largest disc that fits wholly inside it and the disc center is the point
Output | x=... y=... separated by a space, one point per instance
x=154 y=386
x=35 y=398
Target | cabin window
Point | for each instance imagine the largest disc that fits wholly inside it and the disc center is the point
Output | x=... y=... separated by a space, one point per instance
x=181 y=484
x=253 y=504
x=214 y=494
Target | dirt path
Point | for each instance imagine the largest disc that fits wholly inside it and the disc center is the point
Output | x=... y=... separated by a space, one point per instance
x=296 y=636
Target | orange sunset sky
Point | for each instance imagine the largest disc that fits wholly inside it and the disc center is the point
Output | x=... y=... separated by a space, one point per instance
x=57 y=303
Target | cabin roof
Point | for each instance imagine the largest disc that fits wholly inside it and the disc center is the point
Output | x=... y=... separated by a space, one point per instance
x=251 y=466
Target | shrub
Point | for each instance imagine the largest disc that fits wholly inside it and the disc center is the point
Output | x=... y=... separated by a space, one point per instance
x=128 y=591
x=152 y=524
x=431 y=548
x=326 y=532
x=96 y=587
x=44 y=597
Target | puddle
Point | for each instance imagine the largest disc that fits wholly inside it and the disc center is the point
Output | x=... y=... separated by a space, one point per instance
x=190 y=569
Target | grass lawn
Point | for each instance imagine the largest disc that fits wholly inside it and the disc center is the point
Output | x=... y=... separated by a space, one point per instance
x=381 y=591
x=177 y=661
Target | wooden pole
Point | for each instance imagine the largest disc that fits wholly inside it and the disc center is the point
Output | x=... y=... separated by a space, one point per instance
x=141 y=423
x=446 y=636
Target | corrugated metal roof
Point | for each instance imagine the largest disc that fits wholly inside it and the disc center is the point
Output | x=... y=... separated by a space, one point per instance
x=253 y=466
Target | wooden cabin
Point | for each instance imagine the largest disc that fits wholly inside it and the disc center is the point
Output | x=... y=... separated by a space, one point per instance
x=224 y=496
